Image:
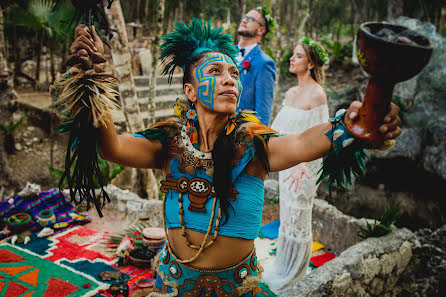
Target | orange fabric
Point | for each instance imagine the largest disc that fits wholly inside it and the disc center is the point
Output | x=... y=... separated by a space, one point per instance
x=31 y=277
x=15 y=270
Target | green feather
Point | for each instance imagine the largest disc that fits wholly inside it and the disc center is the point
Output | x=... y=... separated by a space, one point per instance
x=340 y=163
x=185 y=42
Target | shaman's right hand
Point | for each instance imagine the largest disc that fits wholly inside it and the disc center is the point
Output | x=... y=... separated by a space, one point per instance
x=87 y=49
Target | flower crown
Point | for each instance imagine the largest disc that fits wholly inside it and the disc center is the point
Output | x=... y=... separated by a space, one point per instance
x=319 y=50
x=270 y=21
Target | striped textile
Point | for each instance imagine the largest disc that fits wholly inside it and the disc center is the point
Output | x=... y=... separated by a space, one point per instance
x=52 y=199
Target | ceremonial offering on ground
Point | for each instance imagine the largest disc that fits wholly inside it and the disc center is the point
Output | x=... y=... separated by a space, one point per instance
x=46 y=218
x=19 y=222
x=154 y=238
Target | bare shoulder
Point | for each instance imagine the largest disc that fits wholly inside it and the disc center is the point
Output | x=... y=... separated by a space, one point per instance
x=319 y=97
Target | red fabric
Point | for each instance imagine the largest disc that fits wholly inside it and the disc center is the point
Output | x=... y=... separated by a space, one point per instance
x=15 y=289
x=59 y=288
x=322 y=259
x=64 y=249
x=9 y=257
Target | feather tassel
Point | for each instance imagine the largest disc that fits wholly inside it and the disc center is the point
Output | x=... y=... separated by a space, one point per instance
x=84 y=100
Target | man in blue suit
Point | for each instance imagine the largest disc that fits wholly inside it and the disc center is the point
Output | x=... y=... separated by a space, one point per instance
x=257 y=69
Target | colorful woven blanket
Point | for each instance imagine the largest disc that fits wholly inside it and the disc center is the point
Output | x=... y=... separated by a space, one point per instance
x=52 y=199
x=26 y=274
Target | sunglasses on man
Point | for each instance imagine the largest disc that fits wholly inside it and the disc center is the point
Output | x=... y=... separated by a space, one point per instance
x=250 y=19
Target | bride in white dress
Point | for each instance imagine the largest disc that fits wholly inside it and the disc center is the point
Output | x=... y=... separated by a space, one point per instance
x=304 y=107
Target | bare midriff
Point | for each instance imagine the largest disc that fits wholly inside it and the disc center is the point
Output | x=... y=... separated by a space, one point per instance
x=224 y=252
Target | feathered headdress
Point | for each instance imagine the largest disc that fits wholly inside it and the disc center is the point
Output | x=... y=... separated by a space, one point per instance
x=185 y=42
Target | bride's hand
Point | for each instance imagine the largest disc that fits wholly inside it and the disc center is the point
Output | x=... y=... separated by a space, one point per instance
x=296 y=176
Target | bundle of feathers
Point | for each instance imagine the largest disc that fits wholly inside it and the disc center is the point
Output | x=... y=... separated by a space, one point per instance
x=84 y=98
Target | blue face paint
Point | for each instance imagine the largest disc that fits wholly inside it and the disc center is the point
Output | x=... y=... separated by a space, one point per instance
x=206 y=83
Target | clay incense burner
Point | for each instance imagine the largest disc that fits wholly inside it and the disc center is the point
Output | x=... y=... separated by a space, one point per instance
x=388 y=54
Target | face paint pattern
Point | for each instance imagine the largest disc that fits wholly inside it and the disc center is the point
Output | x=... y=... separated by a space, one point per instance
x=206 y=83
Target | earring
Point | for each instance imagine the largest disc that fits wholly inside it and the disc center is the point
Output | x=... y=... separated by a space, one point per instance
x=309 y=71
x=191 y=115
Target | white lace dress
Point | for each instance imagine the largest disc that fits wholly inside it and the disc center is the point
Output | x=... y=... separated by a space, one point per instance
x=295 y=235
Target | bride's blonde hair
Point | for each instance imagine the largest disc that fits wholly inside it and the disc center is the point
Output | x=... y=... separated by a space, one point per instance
x=317 y=73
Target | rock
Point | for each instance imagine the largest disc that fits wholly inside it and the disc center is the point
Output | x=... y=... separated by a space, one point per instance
x=145 y=56
x=409 y=145
x=18 y=146
x=136 y=207
x=271 y=189
x=372 y=267
x=29 y=68
x=434 y=158
x=30 y=191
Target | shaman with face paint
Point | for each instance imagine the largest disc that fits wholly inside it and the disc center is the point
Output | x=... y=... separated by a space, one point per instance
x=214 y=159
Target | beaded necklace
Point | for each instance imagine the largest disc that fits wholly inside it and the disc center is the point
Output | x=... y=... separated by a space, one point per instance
x=204 y=156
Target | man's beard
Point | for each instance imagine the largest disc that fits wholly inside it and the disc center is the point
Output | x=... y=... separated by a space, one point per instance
x=247 y=33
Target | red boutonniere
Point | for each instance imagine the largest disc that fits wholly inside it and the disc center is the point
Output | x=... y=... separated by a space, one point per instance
x=246 y=65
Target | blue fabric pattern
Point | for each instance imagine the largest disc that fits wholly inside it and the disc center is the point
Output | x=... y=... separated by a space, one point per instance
x=204 y=283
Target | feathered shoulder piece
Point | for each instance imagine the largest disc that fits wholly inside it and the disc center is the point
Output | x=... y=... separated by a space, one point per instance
x=161 y=131
x=185 y=42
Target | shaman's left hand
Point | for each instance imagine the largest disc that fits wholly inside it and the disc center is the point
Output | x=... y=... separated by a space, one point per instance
x=391 y=126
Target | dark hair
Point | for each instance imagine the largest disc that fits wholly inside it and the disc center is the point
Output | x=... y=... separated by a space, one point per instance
x=265 y=22
x=222 y=155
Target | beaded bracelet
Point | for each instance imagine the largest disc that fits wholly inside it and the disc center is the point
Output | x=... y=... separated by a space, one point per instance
x=339 y=134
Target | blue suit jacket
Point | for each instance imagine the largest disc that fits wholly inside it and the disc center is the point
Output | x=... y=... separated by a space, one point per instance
x=258 y=84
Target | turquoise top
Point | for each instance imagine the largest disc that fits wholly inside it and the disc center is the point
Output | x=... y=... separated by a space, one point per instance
x=248 y=206
x=245 y=215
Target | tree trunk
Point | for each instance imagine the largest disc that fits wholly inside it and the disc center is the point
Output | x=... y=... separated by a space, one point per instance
x=4 y=71
x=39 y=56
x=145 y=185
x=146 y=11
x=182 y=10
x=241 y=9
x=309 y=27
x=155 y=54
x=395 y=9
x=6 y=95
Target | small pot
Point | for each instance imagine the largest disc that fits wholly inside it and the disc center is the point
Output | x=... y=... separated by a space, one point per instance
x=46 y=218
x=19 y=222
x=154 y=238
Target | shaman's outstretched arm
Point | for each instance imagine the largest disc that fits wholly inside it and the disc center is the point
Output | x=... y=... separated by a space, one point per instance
x=289 y=150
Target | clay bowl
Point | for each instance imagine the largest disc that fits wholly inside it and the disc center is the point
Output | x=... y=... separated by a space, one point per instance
x=396 y=56
x=19 y=222
x=141 y=257
x=154 y=238
x=389 y=54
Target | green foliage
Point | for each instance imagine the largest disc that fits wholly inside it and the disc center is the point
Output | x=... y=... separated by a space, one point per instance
x=41 y=16
x=134 y=232
x=338 y=53
x=337 y=96
x=108 y=171
x=381 y=227
x=274 y=201
x=11 y=127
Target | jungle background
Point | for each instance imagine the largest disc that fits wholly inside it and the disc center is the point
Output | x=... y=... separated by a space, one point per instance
x=34 y=46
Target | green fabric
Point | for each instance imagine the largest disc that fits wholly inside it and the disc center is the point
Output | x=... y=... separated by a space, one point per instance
x=40 y=276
